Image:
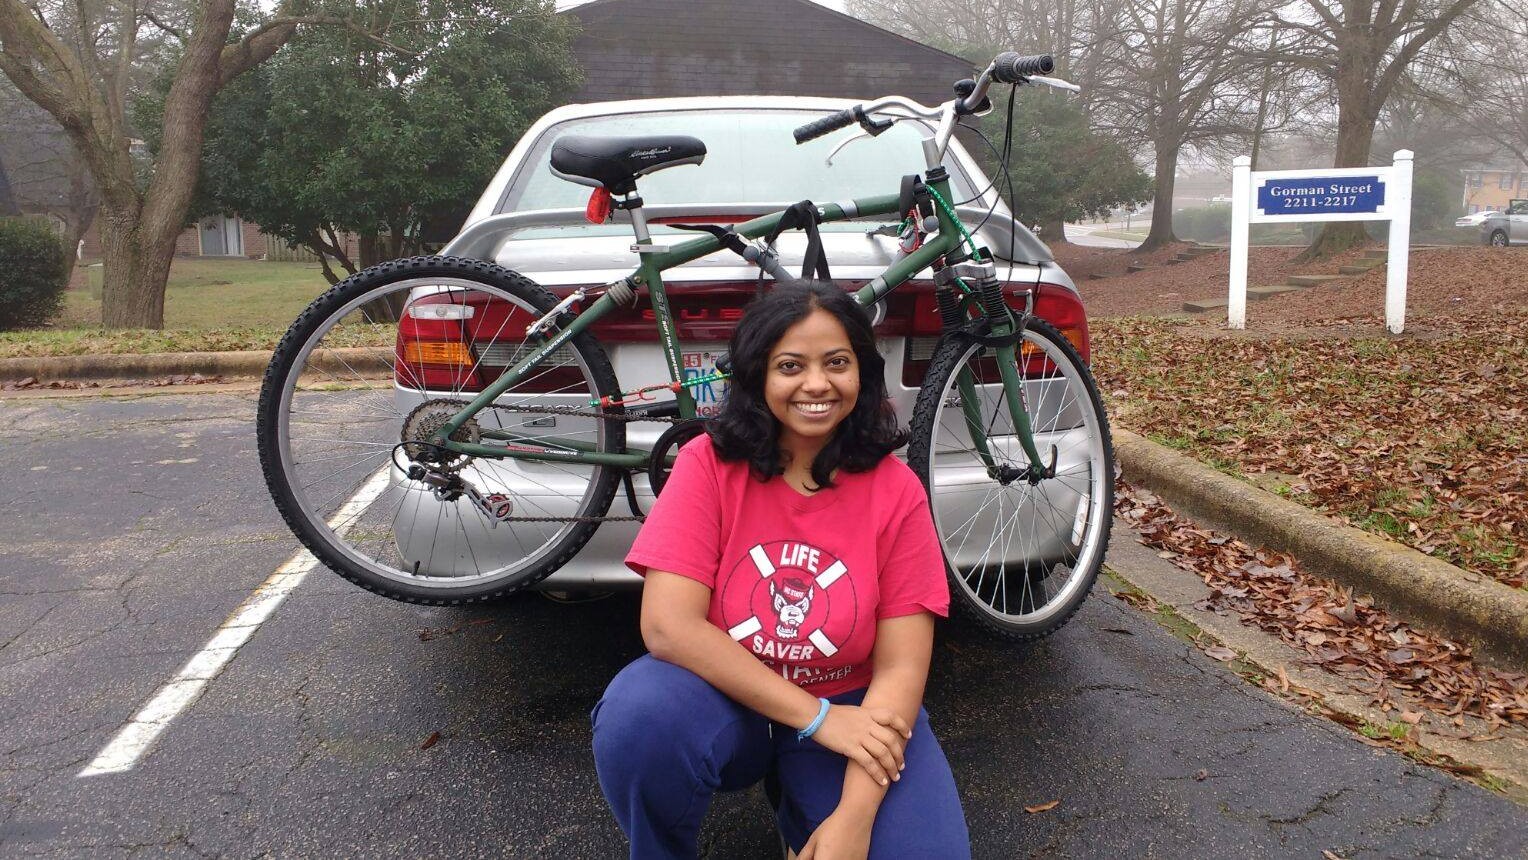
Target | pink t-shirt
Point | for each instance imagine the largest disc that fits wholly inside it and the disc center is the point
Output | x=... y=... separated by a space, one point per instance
x=800 y=581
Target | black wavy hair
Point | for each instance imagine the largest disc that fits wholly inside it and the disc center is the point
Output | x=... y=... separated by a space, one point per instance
x=745 y=429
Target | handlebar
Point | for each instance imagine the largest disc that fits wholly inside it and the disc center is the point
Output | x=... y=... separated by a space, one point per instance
x=832 y=122
x=1008 y=67
x=1011 y=68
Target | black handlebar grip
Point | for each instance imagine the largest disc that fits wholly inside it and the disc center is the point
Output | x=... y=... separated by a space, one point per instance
x=820 y=127
x=1011 y=68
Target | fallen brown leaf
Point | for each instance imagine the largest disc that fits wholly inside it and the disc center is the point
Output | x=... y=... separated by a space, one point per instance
x=430 y=741
x=1042 y=807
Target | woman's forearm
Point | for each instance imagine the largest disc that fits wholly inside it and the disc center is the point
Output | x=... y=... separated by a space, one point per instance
x=710 y=653
x=900 y=689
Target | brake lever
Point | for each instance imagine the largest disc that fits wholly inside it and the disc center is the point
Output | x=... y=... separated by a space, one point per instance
x=872 y=128
x=1054 y=82
x=843 y=143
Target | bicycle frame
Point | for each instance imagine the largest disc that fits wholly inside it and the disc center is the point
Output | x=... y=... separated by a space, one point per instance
x=649 y=274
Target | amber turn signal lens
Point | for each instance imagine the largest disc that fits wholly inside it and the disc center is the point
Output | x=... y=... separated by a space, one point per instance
x=436 y=352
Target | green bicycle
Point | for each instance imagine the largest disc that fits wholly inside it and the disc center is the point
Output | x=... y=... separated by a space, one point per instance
x=444 y=430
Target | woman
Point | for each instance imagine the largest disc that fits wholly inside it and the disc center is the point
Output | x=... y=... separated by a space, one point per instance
x=792 y=579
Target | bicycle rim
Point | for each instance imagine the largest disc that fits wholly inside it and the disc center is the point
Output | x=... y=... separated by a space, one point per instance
x=1022 y=555
x=353 y=389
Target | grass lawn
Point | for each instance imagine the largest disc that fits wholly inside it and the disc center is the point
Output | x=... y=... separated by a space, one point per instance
x=209 y=305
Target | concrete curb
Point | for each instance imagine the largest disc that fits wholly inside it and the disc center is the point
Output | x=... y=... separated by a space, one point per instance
x=154 y=365
x=1488 y=615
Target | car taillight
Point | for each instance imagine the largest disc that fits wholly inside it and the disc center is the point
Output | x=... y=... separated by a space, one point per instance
x=431 y=350
x=459 y=341
x=1055 y=304
x=1063 y=309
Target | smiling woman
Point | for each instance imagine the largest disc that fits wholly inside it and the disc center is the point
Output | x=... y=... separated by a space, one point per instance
x=793 y=576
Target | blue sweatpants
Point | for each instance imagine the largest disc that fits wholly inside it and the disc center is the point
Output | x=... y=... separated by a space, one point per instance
x=665 y=741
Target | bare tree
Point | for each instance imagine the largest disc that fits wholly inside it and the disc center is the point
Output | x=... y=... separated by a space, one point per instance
x=78 y=62
x=1071 y=31
x=1493 y=92
x=1177 y=78
x=1363 y=48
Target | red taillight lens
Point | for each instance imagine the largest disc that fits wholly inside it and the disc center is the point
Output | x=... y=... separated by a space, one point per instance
x=1063 y=309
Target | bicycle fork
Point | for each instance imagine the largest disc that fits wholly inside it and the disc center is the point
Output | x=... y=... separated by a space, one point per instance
x=1003 y=334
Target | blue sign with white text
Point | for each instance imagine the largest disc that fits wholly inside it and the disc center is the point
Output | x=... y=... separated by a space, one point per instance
x=1321 y=195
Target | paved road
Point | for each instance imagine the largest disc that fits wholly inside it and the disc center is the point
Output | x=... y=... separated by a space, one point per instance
x=1082 y=234
x=135 y=526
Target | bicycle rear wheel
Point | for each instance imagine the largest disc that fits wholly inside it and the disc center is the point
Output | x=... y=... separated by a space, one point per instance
x=1021 y=555
x=364 y=379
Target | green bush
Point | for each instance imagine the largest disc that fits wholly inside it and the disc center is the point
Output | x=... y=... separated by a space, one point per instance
x=34 y=270
x=1203 y=223
x=1434 y=200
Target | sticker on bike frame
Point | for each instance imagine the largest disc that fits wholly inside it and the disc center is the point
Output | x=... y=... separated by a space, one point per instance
x=710 y=395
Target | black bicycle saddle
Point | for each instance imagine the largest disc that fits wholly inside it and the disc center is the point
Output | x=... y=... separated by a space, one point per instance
x=614 y=163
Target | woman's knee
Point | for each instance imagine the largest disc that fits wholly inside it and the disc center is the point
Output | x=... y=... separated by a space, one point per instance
x=649 y=712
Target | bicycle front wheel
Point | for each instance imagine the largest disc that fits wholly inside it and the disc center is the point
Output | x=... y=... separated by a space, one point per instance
x=1022 y=554
x=368 y=376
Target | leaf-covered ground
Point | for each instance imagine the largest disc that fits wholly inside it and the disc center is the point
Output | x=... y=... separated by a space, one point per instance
x=1405 y=670
x=1422 y=438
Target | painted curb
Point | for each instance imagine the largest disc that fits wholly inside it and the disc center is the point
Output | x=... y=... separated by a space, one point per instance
x=248 y=363
x=1467 y=606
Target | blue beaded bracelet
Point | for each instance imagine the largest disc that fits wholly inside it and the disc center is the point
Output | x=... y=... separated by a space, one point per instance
x=816 y=724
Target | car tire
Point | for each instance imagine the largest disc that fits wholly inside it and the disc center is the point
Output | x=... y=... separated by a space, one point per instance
x=1497 y=239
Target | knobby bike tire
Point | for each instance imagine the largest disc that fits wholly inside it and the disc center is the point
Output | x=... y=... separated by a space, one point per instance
x=318 y=537
x=951 y=354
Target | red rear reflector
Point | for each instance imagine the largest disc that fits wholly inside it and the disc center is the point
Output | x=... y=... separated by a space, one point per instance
x=598 y=210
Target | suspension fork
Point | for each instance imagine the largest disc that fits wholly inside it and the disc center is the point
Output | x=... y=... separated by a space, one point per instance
x=1002 y=334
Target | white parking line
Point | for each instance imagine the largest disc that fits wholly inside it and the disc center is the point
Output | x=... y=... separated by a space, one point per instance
x=132 y=742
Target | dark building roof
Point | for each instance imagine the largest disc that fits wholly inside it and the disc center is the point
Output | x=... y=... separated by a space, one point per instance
x=633 y=49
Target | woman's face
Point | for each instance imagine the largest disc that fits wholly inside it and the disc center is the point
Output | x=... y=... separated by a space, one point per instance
x=812 y=380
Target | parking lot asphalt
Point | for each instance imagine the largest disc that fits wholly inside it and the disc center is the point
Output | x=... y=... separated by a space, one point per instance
x=134 y=526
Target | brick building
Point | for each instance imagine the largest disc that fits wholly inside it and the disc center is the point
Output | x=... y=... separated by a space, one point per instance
x=1494 y=187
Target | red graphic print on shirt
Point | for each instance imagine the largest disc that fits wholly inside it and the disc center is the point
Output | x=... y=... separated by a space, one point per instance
x=789 y=602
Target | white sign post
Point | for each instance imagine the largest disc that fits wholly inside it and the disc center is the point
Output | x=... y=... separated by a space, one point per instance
x=1338 y=194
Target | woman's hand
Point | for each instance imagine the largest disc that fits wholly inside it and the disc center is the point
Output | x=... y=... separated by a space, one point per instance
x=873 y=738
x=841 y=835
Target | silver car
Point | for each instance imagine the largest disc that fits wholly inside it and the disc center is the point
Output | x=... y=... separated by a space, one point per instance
x=752 y=167
x=1510 y=227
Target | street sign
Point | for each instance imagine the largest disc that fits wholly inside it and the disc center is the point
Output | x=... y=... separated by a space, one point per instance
x=1324 y=195
x=1337 y=194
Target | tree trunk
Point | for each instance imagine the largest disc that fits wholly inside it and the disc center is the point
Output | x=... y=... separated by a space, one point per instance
x=368 y=248
x=137 y=267
x=1161 y=233
x=1357 y=114
x=1053 y=231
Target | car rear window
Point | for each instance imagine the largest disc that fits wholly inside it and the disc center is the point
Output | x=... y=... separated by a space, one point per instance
x=750 y=158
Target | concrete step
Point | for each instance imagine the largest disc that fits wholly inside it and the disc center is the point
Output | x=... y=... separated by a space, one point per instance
x=1203 y=305
x=1380 y=254
x=1176 y=260
x=1311 y=280
x=1135 y=267
x=1257 y=294
x=1361 y=267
